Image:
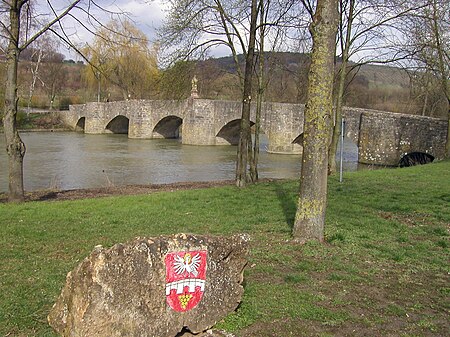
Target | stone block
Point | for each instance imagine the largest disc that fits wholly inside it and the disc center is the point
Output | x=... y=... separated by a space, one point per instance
x=378 y=139
x=161 y=287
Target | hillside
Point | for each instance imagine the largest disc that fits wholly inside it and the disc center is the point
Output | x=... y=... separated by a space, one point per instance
x=375 y=75
x=378 y=75
x=370 y=86
x=376 y=87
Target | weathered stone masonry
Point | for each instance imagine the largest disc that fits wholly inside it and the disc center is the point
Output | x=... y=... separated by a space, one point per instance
x=382 y=137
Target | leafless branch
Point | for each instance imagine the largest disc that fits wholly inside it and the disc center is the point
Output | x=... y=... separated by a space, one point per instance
x=50 y=24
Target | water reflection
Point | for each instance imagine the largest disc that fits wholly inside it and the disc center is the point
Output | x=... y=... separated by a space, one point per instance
x=68 y=160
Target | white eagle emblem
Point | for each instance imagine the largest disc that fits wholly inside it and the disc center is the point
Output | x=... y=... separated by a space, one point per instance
x=187 y=264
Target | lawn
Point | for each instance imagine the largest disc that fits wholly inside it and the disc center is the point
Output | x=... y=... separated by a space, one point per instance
x=382 y=271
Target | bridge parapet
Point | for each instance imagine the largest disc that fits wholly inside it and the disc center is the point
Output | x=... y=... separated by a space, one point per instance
x=382 y=137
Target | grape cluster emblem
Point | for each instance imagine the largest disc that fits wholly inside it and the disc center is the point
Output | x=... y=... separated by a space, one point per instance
x=185 y=279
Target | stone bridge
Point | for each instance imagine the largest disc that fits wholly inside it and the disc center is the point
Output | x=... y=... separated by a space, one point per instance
x=382 y=137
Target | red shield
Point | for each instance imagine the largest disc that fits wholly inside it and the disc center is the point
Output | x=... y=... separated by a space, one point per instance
x=185 y=279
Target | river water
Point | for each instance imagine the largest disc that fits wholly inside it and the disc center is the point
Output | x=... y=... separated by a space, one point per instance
x=69 y=160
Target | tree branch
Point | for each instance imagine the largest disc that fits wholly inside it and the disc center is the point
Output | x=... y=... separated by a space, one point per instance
x=50 y=24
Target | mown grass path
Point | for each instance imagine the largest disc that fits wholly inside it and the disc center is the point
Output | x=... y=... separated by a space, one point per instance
x=383 y=270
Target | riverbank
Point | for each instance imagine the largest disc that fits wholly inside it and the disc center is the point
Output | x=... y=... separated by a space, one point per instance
x=101 y=192
x=41 y=130
x=382 y=271
x=42 y=121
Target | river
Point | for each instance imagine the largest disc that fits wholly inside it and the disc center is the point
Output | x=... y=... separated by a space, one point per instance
x=69 y=160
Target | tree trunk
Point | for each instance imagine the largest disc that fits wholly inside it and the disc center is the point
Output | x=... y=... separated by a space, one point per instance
x=254 y=166
x=425 y=101
x=442 y=70
x=447 y=144
x=338 y=119
x=245 y=135
x=34 y=73
x=341 y=89
x=310 y=217
x=14 y=145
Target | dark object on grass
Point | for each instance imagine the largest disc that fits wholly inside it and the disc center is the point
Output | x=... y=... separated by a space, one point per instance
x=415 y=158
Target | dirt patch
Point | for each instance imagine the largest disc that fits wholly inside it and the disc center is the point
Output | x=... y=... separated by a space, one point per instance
x=50 y=195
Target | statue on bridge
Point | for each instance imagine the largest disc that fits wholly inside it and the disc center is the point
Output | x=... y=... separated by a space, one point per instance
x=194 y=90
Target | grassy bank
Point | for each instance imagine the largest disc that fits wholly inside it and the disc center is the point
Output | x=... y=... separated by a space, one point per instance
x=383 y=271
x=37 y=121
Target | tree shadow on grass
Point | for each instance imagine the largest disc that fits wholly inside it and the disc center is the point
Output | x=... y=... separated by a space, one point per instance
x=288 y=202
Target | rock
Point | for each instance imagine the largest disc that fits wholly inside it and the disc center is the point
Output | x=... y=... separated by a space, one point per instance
x=163 y=287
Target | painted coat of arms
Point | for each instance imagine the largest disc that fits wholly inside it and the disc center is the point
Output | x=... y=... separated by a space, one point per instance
x=185 y=279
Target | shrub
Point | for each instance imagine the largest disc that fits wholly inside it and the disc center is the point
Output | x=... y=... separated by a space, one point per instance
x=21 y=118
x=64 y=103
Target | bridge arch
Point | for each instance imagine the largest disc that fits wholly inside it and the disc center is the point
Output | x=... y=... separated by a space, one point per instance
x=118 y=124
x=298 y=140
x=415 y=158
x=298 y=144
x=351 y=150
x=80 y=124
x=229 y=133
x=168 y=127
x=350 y=144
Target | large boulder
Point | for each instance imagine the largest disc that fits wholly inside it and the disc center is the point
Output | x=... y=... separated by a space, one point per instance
x=162 y=287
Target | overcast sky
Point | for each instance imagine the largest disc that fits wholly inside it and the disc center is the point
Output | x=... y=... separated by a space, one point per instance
x=147 y=15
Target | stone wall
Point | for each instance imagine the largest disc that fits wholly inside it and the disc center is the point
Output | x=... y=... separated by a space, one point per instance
x=286 y=125
x=198 y=123
x=386 y=137
x=352 y=122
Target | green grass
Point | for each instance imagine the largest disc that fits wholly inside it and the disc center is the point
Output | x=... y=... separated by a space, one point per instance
x=383 y=270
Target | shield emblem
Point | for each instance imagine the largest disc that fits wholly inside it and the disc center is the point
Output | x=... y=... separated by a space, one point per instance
x=185 y=279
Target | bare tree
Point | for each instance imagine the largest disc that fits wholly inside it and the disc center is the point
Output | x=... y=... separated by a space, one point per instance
x=310 y=217
x=52 y=76
x=194 y=27
x=429 y=44
x=11 y=30
x=273 y=29
x=275 y=24
x=261 y=88
x=34 y=65
x=16 y=18
x=245 y=141
x=369 y=31
x=426 y=93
